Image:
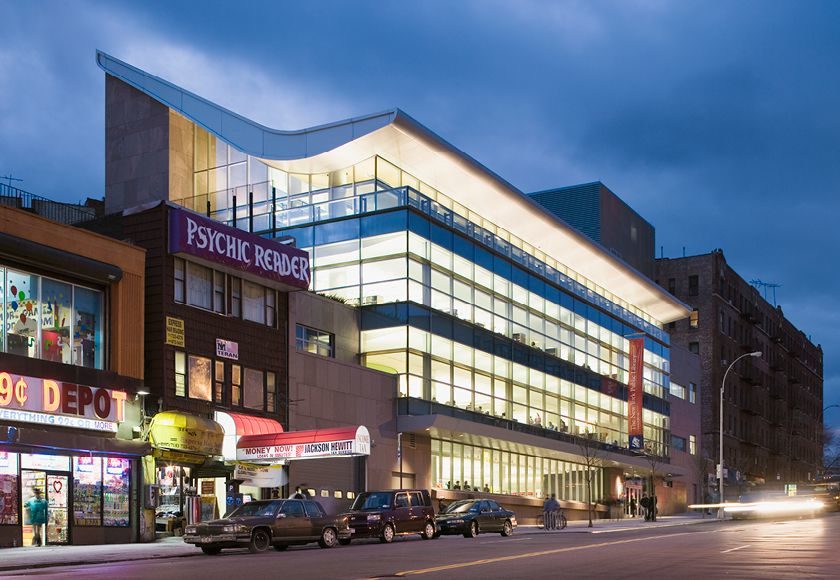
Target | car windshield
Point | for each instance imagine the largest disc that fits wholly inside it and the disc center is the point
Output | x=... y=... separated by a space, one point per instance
x=460 y=507
x=256 y=508
x=372 y=501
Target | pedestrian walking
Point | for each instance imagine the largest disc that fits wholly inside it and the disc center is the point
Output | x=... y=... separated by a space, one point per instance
x=298 y=494
x=37 y=507
x=632 y=507
x=645 y=501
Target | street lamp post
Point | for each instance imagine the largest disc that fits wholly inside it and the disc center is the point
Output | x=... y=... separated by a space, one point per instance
x=720 y=450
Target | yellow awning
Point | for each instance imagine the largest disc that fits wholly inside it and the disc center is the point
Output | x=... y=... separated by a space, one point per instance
x=187 y=433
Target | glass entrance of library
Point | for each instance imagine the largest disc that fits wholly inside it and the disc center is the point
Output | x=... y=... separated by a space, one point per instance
x=55 y=488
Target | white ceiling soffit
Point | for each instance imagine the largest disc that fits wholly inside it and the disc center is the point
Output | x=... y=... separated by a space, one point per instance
x=399 y=138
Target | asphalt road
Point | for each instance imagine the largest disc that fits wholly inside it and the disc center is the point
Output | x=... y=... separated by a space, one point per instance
x=806 y=548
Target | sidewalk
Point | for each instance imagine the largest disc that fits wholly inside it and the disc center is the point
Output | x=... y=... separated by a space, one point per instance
x=48 y=556
x=622 y=525
x=45 y=557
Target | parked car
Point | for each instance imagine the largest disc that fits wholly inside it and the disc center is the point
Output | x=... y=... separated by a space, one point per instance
x=259 y=525
x=471 y=517
x=385 y=514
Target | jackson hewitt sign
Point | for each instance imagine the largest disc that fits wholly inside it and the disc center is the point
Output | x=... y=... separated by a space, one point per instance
x=198 y=236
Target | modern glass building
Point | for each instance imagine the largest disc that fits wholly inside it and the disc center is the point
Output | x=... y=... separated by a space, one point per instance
x=508 y=329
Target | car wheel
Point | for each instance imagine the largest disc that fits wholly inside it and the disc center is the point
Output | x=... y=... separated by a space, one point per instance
x=329 y=539
x=281 y=547
x=260 y=541
x=428 y=531
x=344 y=541
x=211 y=550
x=472 y=531
x=507 y=528
x=387 y=534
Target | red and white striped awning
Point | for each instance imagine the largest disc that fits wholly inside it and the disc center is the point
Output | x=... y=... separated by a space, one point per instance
x=313 y=444
x=238 y=425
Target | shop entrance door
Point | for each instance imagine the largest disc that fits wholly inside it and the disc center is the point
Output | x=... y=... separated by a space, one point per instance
x=58 y=488
x=55 y=488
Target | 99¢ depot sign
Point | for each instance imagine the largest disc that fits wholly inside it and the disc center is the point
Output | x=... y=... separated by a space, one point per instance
x=47 y=402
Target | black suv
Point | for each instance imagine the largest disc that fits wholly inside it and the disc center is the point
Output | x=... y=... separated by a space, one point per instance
x=385 y=514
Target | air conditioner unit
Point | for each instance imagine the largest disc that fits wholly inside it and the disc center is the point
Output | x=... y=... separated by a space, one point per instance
x=372 y=300
x=519 y=337
x=552 y=351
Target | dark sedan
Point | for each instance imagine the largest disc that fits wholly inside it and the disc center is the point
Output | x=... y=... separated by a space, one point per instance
x=259 y=525
x=471 y=517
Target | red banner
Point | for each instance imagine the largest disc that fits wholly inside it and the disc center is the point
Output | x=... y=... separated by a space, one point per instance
x=635 y=393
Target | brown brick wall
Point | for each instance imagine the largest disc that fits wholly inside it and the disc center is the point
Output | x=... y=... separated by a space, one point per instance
x=773 y=404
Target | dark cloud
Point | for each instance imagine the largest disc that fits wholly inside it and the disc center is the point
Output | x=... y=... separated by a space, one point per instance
x=718 y=122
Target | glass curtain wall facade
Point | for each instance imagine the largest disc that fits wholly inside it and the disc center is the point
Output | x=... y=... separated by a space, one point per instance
x=465 y=313
x=469 y=467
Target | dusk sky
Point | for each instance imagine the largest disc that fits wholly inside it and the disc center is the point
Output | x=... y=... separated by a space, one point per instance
x=719 y=122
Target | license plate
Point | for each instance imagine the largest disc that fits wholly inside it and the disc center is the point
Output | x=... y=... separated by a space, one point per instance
x=205 y=539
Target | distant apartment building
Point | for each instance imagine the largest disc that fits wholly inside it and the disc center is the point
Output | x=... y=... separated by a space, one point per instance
x=773 y=404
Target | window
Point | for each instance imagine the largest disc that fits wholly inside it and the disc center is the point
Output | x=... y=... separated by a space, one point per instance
x=692 y=393
x=293 y=509
x=693 y=285
x=218 y=292
x=270 y=392
x=401 y=501
x=258 y=304
x=235 y=297
x=180 y=281
x=254 y=389
x=677 y=390
x=199 y=286
x=270 y=307
x=678 y=442
x=236 y=385
x=51 y=320
x=672 y=285
x=692 y=444
x=313 y=510
x=219 y=382
x=200 y=378
x=694 y=347
x=694 y=319
x=315 y=341
x=180 y=373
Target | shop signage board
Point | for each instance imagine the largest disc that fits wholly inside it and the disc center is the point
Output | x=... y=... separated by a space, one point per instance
x=208 y=488
x=227 y=349
x=175 y=332
x=260 y=475
x=195 y=235
x=359 y=445
x=55 y=403
x=635 y=394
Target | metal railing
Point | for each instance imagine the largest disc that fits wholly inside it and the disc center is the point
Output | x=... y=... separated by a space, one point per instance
x=66 y=213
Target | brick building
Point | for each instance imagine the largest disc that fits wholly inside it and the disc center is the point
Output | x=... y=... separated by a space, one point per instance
x=773 y=404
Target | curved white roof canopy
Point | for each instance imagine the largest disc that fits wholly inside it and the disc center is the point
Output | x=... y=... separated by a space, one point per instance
x=400 y=139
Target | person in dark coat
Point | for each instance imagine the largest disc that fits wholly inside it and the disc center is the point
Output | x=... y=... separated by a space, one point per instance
x=632 y=507
x=645 y=501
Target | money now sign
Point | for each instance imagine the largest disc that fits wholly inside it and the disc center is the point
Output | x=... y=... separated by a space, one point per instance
x=318 y=443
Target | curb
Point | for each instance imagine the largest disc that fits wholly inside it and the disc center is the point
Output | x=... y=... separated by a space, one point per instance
x=88 y=562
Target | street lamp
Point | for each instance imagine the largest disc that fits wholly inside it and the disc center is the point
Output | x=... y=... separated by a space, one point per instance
x=720 y=451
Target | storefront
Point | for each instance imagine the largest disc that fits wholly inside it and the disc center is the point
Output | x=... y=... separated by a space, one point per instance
x=59 y=439
x=319 y=446
x=182 y=446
